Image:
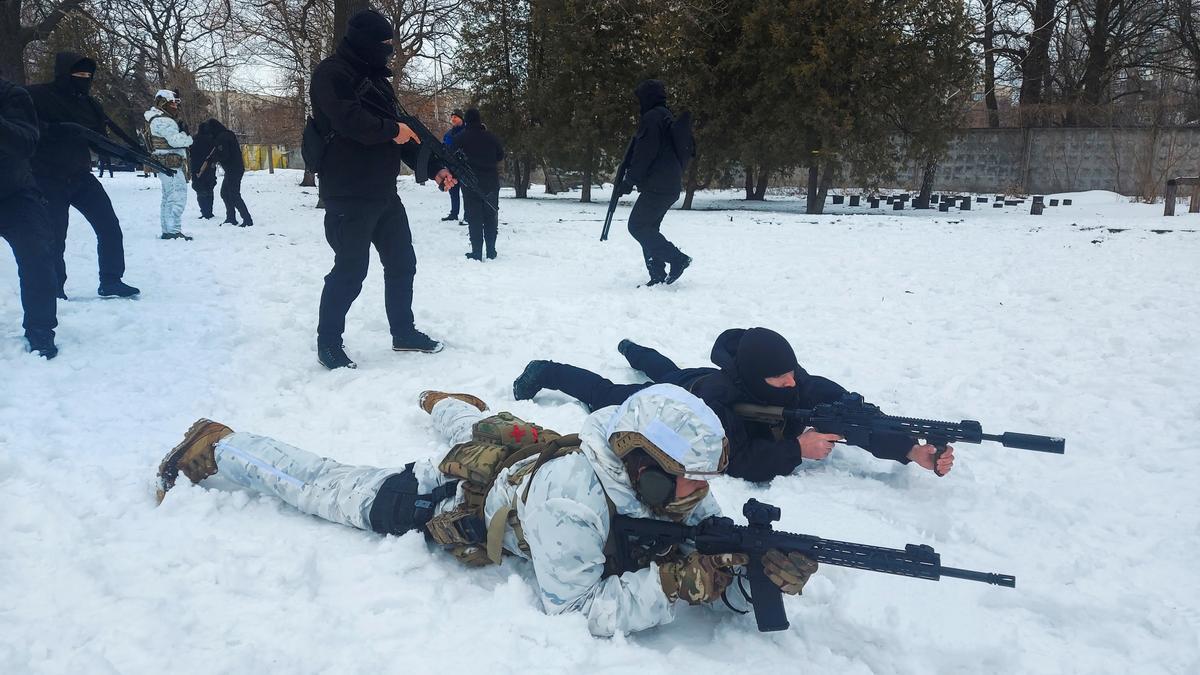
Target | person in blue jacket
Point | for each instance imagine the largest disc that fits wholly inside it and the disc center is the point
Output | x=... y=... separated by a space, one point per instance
x=456 y=127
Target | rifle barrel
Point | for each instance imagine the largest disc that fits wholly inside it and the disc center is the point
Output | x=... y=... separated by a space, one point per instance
x=1006 y=580
x=1029 y=442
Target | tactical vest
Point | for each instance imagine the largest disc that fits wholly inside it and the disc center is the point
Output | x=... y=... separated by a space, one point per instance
x=497 y=443
x=170 y=160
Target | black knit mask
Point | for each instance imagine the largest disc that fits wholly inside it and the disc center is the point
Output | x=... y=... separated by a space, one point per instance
x=763 y=353
x=365 y=34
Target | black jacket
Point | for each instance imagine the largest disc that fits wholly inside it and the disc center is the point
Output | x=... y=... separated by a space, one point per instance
x=482 y=148
x=18 y=139
x=653 y=165
x=754 y=452
x=229 y=151
x=360 y=160
x=204 y=144
x=61 y=153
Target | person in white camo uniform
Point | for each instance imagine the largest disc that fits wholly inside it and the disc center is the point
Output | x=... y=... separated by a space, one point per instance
x=565 y=516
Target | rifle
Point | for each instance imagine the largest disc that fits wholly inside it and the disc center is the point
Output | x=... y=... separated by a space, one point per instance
x=106 y=145
x=616 y=195
x=720 y=535
x=455 y=161
x=855 y=420
x=207 y=159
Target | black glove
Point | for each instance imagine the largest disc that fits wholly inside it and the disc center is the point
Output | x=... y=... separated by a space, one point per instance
x=626 y=187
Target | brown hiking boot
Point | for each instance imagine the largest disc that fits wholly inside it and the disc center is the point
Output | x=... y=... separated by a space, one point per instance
x=429 y=398
x=194 y=456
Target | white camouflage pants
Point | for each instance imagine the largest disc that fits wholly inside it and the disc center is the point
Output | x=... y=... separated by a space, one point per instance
x=174 y=199
x=323 y=487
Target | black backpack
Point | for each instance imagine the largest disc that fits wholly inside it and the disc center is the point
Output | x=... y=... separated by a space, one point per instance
x=313 y=144
x=682 y=139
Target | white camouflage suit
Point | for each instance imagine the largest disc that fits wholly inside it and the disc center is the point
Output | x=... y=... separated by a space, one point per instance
x=174 y=188
x=565 y=519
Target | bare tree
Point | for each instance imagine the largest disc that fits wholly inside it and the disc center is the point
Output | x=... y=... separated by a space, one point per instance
x=22 y=22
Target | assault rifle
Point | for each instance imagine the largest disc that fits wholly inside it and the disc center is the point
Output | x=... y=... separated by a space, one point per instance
x=455 y=161
x=855 y=420
x=616 y=195
x=720 y=535
x=102 y=143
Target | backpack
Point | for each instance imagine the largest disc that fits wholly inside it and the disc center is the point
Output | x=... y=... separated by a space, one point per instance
x=313 y=144
x=682 y=140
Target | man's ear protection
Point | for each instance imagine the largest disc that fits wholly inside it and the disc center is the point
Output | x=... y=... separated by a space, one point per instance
x=655 y=486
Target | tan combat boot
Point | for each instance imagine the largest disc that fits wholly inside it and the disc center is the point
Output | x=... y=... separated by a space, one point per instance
x=194 y=456
x=430 y=398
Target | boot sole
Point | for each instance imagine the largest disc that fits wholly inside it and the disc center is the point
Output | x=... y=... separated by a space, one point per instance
x=168 y=468
x=423 y=351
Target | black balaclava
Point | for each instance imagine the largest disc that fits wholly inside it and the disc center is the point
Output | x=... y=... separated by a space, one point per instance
x=763 y=353
x=473 y=118
x=67 y=63
x=365 y=33
x=650 y=94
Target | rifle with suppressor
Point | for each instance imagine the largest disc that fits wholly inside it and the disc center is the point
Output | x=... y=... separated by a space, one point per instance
x=455 y=161
x=855 y=420
x=720 y=535
x=112 y=148
x=616 y=194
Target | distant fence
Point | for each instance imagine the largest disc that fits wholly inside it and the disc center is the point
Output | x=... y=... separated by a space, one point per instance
x=1130 y=161
x=259 y=157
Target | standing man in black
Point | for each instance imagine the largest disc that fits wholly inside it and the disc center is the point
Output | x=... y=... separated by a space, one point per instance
x=654 y=168
x=352 y=97
x=63 y=169
x=23 y=219
x=229 y=154
x=484 y=151
x=202 y=159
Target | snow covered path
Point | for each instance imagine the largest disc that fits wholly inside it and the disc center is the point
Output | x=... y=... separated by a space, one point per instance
x=1051 y=325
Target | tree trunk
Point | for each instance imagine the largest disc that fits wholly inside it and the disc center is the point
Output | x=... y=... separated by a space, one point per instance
x=12 y=61
x=989 y=64
x=1036 y=66
x=342 y=11
x=270 y=158
x=823 y=190
x=760 y=190
x=585 y=195
x=1096 y=65
x=551 y=189
x=922 y=201
x=521 y=169
x=690 y=186
x=749 y=183
x=815 y=203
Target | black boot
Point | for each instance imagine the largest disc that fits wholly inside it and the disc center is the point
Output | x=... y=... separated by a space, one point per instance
x=677 y=267
x=42 y=342
x=658 y=271
x=116 y=289
x=414 y=340
x=334 y=356
x=528 y=383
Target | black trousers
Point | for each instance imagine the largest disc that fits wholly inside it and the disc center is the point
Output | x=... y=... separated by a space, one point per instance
x=597 y=392
x=352 y=226
x=24 y=225
x=454 y=194
x=644 y=222
x=204 y=185
x=231 y=194
x=84 y=192
x=482 y=221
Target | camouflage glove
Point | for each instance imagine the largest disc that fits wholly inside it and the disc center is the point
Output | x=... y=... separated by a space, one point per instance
x=789 y=571
x=699 y=578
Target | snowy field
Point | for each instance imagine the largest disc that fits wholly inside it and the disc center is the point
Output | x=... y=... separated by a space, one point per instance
x=1052 y=325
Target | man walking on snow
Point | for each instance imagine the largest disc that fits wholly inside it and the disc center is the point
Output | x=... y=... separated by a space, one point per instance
x=352 y=97
x=653 y=166
x=650 y=457
x=170 y=147
x=62 y=166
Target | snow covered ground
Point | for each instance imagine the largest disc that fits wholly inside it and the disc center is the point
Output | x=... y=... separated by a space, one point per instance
x=1053 y=324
